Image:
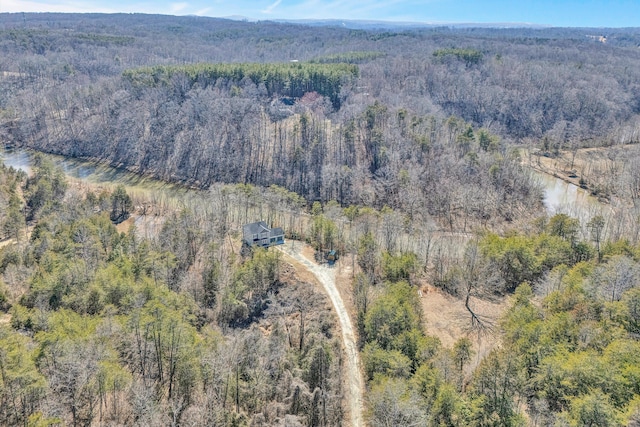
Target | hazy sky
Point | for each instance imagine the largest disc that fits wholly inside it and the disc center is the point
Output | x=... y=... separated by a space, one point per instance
x=583 y=13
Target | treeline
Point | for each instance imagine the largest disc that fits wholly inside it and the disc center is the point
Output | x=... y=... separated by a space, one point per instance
x=348 y=57
x=109 y=327
x=469 y=56
x=293 y=80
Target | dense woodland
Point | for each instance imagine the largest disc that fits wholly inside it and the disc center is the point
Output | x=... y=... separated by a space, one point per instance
x=434 y=110
x=383 y=144
x=110 y=328
x=107 y=327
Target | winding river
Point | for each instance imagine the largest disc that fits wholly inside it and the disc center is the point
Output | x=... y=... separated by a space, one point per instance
x=559 y=196
x=97 y=174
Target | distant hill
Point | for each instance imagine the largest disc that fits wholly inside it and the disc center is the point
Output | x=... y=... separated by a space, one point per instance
x=395 y=25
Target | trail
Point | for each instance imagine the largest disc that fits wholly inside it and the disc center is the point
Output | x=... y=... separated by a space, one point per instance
x=354 y=383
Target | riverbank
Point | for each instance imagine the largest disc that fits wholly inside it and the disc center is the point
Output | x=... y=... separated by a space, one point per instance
x=563 y=168
x=566 y=190
x=591 y=169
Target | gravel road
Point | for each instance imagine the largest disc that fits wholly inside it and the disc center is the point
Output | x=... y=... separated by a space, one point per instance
x=326 y=277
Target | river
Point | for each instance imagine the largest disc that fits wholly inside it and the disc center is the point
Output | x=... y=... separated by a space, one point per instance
x=563 y=197
x=95 y=173
x=559 y=196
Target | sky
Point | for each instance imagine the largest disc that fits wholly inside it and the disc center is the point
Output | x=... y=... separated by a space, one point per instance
x=565 y=13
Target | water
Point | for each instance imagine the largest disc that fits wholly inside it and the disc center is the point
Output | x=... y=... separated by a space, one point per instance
x=18 y=159
x=563 y=197
x=559 y=196
x=92 y=172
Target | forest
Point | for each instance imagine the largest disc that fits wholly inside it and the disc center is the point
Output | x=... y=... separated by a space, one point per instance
x=408 y=151
x=109 y=328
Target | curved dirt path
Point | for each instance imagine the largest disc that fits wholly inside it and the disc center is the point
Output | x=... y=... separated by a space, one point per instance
x=354 y=383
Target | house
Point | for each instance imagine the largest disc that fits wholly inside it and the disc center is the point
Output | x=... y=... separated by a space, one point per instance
x=259 y=234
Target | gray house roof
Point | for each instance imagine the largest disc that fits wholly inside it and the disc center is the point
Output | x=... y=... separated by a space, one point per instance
x=276 y=232
x=255 y=228
x=258 y=233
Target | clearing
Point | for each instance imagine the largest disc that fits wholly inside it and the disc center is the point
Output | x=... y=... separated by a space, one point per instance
x=446 y=317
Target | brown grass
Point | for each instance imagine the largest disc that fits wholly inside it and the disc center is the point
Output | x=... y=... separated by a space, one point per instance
x=446 y=317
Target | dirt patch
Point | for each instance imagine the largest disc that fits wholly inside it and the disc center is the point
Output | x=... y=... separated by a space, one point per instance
x=447 y=318
x=5 y=319
x=307 y=252
x=301 y=271
x=125 y=225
